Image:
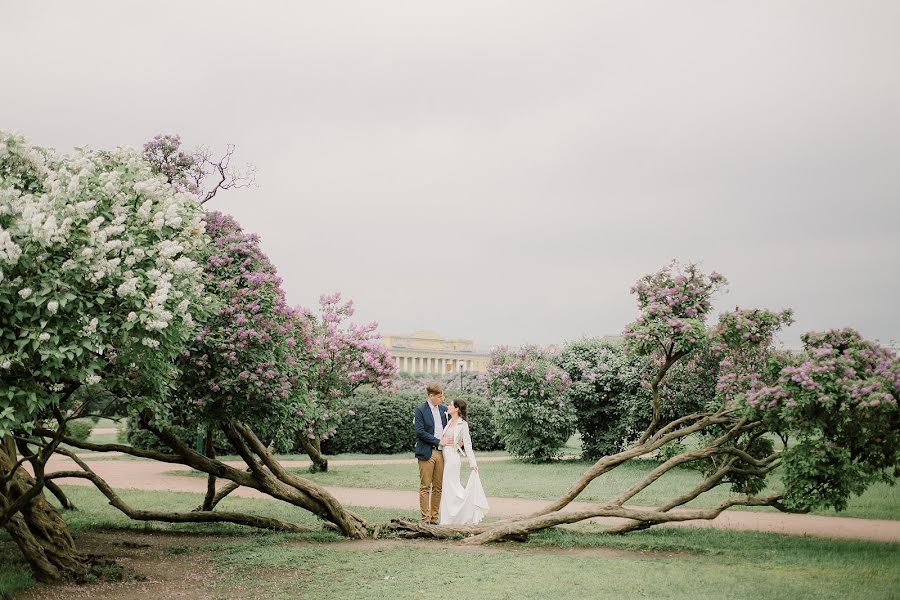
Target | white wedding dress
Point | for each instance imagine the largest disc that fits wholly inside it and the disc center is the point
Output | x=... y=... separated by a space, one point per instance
x=461 y=505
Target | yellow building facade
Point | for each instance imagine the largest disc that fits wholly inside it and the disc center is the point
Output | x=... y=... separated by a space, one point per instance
x=428 y=352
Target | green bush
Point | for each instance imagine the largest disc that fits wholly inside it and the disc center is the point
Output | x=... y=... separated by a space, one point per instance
x=532 y=410
x=80 y=430
x=612 y=406
x=480 y=413
x=381 y=423
x=606 y=384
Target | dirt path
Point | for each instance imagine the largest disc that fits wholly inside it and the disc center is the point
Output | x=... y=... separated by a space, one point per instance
x=152 y=475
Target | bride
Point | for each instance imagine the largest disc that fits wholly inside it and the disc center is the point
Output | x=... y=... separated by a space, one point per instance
x=460 y=505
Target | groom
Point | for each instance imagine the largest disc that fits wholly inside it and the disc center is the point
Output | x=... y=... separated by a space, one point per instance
x=430 y=421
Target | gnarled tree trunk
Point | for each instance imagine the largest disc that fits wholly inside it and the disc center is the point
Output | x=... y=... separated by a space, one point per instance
x=313 y=449
x=36 y=527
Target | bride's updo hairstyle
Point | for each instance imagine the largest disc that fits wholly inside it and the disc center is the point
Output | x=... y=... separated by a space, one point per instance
x=461 y=405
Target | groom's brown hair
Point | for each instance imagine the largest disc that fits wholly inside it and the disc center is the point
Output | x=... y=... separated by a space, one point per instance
x=434 y=389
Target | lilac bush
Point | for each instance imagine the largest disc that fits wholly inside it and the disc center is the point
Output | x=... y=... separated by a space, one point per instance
x=835 y=406
x=532 y=412
x=340 y=356
x=99 y=284
x=243 y=363
x=98 y=275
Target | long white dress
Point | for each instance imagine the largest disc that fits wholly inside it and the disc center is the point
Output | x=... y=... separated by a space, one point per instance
x=461 y=505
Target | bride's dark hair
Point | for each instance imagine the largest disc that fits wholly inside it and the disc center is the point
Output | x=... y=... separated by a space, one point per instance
x=461 y=405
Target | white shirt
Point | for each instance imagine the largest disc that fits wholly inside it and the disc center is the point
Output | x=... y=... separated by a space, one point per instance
x=438 y=426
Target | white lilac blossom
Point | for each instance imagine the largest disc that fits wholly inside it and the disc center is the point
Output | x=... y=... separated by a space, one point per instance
x=99 y=245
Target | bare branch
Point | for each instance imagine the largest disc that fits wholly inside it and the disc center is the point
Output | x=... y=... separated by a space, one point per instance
x=228 y=178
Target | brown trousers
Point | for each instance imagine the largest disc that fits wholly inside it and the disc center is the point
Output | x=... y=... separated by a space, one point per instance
x=431 y=476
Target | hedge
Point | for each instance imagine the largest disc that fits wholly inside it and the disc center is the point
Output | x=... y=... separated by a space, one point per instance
x=382 y=423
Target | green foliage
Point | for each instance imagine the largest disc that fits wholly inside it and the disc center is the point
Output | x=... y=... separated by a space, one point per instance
x=838 y=401
x=80 y=430
x=97 y=275
x=190 y=434
x=382 y=422
x=482 y=426
x=376 y=423
x=532 y=412
x=613 y=406
x=606 y=393
x=688 y=388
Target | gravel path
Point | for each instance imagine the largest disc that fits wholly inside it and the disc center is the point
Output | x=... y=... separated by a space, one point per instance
x=152 y=475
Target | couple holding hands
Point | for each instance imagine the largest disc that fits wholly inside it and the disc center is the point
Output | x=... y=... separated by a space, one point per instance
x=442 y=438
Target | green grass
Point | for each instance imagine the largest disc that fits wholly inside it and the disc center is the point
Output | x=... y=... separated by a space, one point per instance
x=356 y=456
x=517 y=479
x=726 y=568
x=102 y=438
x=573 y=562
x=14 y=574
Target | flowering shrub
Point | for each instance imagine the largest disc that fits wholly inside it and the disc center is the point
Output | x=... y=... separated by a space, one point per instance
x=604 y=380
x=674 y=303
x=834 y=405
x=181 y=169
x=470 y=382
x=837 y=401
x=743 y=340
x=533 y=415
x=243 y=363
x=98 y=275
x=341 y=357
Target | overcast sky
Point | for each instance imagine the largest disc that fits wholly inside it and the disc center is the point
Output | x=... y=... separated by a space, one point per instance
x=504 y=171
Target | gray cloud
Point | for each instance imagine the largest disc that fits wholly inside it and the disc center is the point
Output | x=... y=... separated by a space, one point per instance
x=506 y=170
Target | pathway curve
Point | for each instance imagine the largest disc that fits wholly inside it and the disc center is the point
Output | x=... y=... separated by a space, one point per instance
x=153 y=475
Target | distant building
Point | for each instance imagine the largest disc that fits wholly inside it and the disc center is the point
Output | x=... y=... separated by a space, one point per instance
x=428 y=352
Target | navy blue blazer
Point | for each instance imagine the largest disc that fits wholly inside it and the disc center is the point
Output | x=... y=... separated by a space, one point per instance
x=424 y=423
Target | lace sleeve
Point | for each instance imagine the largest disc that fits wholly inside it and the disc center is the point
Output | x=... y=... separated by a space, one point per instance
x=467 y=444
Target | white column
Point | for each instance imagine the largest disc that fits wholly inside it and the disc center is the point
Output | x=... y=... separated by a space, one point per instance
x=442 y=365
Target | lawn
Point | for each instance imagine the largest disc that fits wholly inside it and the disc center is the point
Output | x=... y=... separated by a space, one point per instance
x=574 y=562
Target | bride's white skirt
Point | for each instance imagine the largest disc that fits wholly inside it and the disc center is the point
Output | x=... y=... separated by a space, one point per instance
x=461 y=505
